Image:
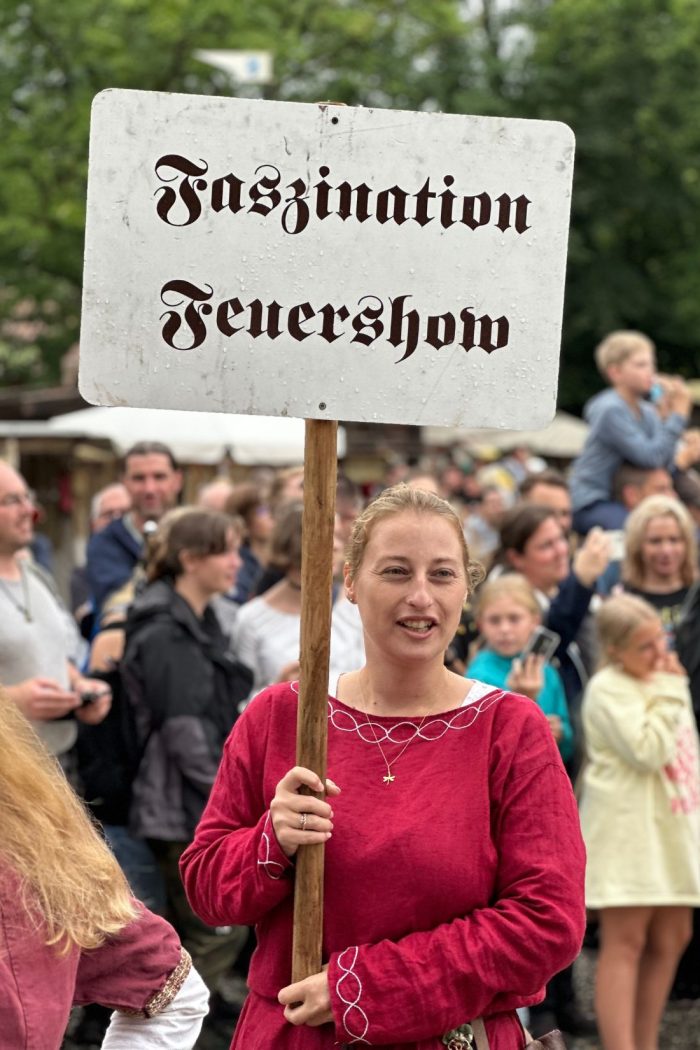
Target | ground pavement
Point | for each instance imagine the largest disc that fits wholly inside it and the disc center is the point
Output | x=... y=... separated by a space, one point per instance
x=681 y=1027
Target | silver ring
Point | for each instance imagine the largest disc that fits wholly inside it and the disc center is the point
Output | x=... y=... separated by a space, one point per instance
x=304 y=818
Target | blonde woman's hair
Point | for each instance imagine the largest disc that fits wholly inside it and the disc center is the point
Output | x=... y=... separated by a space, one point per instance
x=397 y=500
x=618 y=346
x=510 y=585
x=71 y=885
x=632 y=571
x=617 y=620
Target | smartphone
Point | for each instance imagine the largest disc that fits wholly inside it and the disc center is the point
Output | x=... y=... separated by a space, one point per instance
x=91 y=695
x=542 y=642
x=616 y=538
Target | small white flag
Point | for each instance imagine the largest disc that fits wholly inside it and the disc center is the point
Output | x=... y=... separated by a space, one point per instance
x=246 y=67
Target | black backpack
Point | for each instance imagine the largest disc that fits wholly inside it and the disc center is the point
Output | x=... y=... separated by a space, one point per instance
x=109 y=756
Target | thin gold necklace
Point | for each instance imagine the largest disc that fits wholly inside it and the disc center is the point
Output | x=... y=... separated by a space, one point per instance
x=389 y=777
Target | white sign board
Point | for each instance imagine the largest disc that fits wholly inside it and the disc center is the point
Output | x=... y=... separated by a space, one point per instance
x=322 y=262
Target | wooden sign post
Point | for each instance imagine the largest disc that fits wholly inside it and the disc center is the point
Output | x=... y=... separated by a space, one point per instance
x=324 y=263
x=312 y=717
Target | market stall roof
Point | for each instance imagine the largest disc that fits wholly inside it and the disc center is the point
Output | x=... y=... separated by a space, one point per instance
x=563 y=438
x=194 y=437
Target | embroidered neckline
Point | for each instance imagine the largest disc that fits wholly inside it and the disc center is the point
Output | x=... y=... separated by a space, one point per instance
x=398 y=730
x=477 y=692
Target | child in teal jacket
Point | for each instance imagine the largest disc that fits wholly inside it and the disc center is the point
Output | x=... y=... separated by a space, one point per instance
x=508 y=613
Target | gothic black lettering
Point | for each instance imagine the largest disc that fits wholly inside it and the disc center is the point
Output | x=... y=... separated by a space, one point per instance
x=184 y=197
x=505 y=207
x=192 y=316
x=186 y=191
x=367 y=325
x=396 y=335
x=294 y=323
x=403 y=326
x=264 y=192
x=296 y=208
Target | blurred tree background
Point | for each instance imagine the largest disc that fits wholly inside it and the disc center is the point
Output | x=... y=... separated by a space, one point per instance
x=625 y=74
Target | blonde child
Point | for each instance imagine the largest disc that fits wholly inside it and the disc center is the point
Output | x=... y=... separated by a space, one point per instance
x=640 y=811
x=624 y=428
x=508 y=613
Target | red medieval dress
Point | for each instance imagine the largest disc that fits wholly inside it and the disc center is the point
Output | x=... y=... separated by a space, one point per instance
x=452 y=892
x=138 y=971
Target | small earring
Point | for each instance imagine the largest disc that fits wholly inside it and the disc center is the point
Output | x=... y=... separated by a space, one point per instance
x=350 y=598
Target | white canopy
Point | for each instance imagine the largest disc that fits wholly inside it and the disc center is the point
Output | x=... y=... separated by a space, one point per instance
x=194 y=437
x=563 y=438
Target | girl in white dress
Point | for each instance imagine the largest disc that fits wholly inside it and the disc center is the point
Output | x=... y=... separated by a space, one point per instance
x=640 y=813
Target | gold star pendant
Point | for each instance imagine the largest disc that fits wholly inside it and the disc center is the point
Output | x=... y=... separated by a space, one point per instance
x=389 y=778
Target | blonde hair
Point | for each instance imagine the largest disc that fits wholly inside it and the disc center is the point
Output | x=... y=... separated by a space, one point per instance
x=633 y=571
x=617 y=620
x=397 y=500
x=510 y=585
x=71 y=885
x=618 y=346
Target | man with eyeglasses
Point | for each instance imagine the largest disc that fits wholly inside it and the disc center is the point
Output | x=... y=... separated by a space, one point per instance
x=36 y=634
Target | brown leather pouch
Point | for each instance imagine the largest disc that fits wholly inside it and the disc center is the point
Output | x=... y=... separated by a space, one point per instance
x=473 y=1037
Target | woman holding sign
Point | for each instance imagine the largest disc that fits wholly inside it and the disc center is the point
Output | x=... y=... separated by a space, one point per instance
x=454 y=862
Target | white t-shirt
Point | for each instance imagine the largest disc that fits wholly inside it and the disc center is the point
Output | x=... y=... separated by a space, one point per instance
x=37 y=644
x=266 y=640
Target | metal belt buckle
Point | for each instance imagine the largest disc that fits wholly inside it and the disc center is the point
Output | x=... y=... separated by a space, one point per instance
x=461 y=1038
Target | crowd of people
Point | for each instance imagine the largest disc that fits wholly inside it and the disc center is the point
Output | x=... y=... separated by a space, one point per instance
x=514 y=660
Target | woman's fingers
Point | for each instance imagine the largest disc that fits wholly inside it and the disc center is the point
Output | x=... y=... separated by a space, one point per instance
x=299 y=776
x=301 y=819
x=304 y=818
x=293 y=806
x=307 y=1001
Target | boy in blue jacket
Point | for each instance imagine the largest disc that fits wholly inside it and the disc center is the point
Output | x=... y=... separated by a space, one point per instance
x=625 y=428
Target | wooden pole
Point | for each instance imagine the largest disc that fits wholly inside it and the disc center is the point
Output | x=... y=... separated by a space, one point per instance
x=320 y=469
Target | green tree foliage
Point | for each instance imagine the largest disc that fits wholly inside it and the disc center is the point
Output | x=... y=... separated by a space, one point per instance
x=625 y=74
x=55 y=57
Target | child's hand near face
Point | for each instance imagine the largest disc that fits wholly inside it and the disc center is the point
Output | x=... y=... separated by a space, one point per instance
x=669 y=662
x=527 y=676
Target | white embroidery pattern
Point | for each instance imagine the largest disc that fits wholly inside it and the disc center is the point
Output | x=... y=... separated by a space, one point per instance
x=352 y=1006
x=265 y=846
x=399 y=733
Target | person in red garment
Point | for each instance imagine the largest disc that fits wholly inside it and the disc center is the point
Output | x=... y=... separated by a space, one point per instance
x=70 y=931
x=454 y=860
